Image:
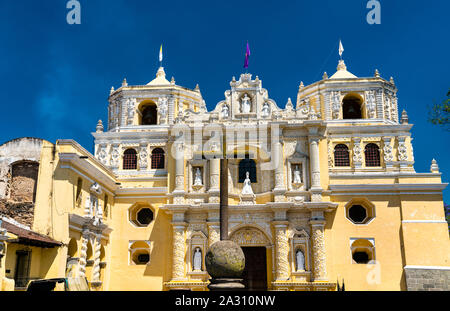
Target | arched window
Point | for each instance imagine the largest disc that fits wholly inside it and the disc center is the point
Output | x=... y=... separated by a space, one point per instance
x=157 y=158
x=341 y=155
x=149 y=115
x=130 y=159
x=372 y=154
x=247 y=165
x=351 y=107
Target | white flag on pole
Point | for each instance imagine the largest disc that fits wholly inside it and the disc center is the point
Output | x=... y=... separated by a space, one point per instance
x=341 y=48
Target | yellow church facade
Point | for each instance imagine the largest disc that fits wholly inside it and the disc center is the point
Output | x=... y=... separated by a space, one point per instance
x=321 y=191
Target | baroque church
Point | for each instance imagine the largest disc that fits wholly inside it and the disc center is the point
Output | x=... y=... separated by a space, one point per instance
x=320 y=191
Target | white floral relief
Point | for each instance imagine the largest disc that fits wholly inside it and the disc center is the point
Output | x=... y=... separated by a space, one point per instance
x=178 y=253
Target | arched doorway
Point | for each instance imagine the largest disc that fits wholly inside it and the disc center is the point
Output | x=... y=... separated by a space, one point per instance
x=254 y=243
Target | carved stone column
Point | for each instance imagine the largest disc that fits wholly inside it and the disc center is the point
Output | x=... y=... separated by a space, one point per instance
x=280 y=187
x=318 y=249
x=96 y=269
x=282 y=250
x=179 y=251
x=315 y=162
x=83 y=253
x=214 y=173
x=179 y=167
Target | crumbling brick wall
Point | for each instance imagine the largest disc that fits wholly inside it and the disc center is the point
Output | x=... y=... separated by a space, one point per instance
x=23 y=183
x=22 y=212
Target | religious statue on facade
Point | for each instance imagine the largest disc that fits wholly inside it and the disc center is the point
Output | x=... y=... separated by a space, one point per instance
x=265 y=112
x=297 y=176
x=247 y=189
x=225 y=111
x=245 y=104
x=198 y=259
x=198 y=177
x=300 y=260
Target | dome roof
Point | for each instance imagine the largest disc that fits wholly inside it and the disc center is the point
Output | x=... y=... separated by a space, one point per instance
x=342 y=72
x=160 y=78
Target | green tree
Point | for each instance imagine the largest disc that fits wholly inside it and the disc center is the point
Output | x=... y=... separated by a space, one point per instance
x=440 y=113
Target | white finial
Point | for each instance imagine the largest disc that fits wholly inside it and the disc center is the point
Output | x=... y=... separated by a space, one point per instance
x=404 y=119
x=325 y=76
x=99 y=128
x=172 y=81
x=301 y=86
x=377 y=73
x=124 y=82
x=434 y=167
x=392 y=80
x=197 y=88
x=112 y=90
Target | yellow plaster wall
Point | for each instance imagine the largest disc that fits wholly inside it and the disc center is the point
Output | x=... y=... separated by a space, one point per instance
x=384 y=228
x=126 y=276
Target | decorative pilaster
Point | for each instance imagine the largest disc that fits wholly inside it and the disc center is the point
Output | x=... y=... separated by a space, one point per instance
x=387 y=152
x=214 y=173
x=282 y=250
x=83 y=253
x=96 y=269
x=179 y=174
x=315 y=162
x=280 y=187
x=357 y=153
x=318 y=248
x=179 y=251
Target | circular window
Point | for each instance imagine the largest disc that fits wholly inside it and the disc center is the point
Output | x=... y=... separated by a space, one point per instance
x=357 y=213
x=145 y=216
x=361 y=257
x=141 y=257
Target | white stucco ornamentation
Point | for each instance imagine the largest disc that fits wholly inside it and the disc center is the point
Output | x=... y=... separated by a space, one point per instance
x=143 y=157
x=335 y=104
x=178 y=252
x=402 y=151
x=388 y=156
x=282 y=252
x=318 y=246
x=371 y=104
x=131 y=108
x=115 y=155
x=357 y=152
x=249 y=237
x=162 y=110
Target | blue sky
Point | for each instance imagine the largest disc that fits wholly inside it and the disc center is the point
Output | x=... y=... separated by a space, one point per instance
x=55 y=77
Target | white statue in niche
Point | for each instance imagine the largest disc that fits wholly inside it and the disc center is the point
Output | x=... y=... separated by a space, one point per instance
x=198 y=259
x=245 y=104
x=265 y=111
x=198 y=177
x=247 y=189
x=297 y=176
x=225 y=111
x=300 y=260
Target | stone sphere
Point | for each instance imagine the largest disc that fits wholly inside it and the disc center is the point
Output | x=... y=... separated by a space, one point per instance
x=225 y=259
